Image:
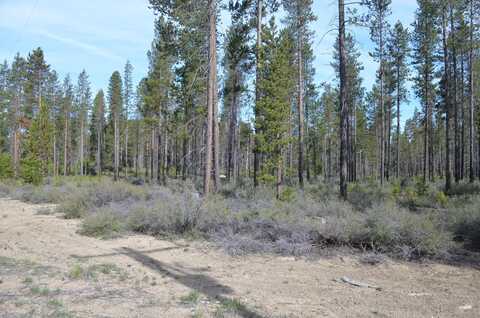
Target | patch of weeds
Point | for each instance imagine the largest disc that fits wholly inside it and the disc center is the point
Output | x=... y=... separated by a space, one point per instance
x=197 y=314
x=234 y=307
x=55 y=303
x=191 y=298
x=40 y=290
x=91 y=272
x=107 y=268
x=45 y=211
x=61 y=314
x=78 y=272
x=28 y=280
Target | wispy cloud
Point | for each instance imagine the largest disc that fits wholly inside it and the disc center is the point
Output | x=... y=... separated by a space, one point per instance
x=89 y=48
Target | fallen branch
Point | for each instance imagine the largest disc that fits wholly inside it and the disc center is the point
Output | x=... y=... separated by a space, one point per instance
x=355 y=283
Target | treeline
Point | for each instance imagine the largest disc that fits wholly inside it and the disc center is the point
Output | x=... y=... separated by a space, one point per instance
x=275 y=124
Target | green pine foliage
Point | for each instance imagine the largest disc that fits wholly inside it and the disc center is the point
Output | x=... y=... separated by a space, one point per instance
x=277 y=86
x=40 y=140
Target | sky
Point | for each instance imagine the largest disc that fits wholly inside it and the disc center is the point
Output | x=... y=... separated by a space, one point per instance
x=99 y=36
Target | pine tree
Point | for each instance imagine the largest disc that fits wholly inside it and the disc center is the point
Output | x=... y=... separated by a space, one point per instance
x=274 y=105
x=17 y=80
x=398 y=51
x=378 y=13
x=40 y=139
x=237 y=64
x=299 y=16
x=115 y=102
x=97 y=128
x=424 y=41
x=67 y=105
x=82 y=109
x=37 y=73
x=4 y=100
x=128 y=100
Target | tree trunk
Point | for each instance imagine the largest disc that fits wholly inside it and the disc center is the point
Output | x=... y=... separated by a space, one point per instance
x=81 y=144
x=454 y=98
x=256 y=154
x=65 y=145
x=382 y=110
x=398 y=121
x=116 y=148
x=448 y=175
x=301 y=119
x=471 y=97
x=343 y=104
x=126 y=147
x=212 y=61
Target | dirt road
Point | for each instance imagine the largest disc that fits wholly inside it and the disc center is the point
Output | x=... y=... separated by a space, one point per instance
x=48 y=270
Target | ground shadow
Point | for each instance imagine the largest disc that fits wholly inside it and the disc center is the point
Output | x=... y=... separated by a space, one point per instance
x=200 y=282
x=118 y=253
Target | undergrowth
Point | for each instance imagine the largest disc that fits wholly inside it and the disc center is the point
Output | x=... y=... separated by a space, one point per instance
x=407 y=220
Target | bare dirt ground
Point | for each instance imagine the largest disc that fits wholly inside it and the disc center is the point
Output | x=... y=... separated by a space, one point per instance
x=48 y=270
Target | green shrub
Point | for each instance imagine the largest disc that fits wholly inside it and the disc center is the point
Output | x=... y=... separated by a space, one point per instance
x=288 y=194
x=104 y=224
x=31 y=171
x=464 y=222
x=6 y=169
x=464 y=189
x=441 y=198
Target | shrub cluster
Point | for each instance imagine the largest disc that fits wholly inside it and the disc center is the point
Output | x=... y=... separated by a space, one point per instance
x=399 y=220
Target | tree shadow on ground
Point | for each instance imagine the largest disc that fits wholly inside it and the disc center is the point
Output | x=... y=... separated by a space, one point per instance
x=199 y=282
x=193 y=278
x=120 y=252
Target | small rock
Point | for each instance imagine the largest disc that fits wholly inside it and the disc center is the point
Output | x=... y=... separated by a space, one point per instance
x=465 y=307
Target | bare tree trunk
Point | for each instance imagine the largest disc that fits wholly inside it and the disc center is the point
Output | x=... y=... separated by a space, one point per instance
x=382 y=111
x=426 y=131
x=301 y=119
x=16 y=136
x=462 y=120
x=65 y=145
x=216 y=130
x=398 y=121
x=389 y=137
x=165 y=157
x=81 y=145
x=343 y=104
x=278 y=183
x=448 y=175
x=454 y=95
x=231 y=146
x=256 y=154
x=471 y=97
x=116 y=148
x=99 y=149
x=212 y=56
x=55 y=154
x=126 y=147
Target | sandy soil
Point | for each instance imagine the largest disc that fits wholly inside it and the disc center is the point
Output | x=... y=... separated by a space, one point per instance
x=48 y=270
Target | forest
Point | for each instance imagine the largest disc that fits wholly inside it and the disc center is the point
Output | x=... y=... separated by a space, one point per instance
x=230 y=139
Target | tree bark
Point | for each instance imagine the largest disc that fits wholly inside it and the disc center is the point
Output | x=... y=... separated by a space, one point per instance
x=343 y=104
x=471 y=96
x=397 y=174
x=212 y=61
x=256 y=154
x=448 y=175
x=301 y=119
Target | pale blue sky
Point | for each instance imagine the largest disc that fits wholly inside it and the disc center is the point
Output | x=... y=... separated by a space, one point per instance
x=101 y=35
